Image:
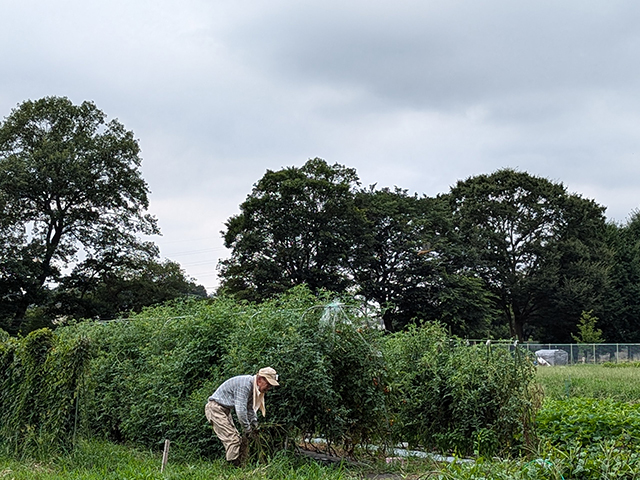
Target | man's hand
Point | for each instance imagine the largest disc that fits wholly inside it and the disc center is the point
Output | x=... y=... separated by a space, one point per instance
x=254 y=432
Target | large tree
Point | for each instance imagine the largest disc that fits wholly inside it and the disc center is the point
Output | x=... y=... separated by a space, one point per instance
x=312 y=225
x=399 y=262
x=539 y=249
x=295 y=227
x=621 y=320
x=70 y=189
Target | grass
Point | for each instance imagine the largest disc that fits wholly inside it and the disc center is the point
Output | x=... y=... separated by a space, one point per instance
x=590 y=381
x=94 y=460
x=105 y=461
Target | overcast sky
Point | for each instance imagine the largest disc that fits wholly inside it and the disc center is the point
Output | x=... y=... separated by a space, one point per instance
x=418 y=94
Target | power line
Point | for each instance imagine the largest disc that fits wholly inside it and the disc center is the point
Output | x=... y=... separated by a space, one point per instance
x=194 y=252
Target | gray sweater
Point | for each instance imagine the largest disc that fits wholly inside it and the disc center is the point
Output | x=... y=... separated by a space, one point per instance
x=237 y=393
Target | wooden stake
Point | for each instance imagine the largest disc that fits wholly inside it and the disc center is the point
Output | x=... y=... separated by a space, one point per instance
x=165 y=455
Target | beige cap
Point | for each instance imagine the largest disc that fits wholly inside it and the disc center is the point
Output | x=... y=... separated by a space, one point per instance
x=269 y=374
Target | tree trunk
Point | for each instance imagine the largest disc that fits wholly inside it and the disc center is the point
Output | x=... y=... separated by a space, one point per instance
x=519 y=330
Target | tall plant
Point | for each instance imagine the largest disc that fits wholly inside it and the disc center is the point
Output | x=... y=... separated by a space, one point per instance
x=41 y=378
x=152 y=374
x=330 y=363
x=460 y=398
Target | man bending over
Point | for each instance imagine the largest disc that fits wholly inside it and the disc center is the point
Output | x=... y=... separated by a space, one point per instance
x=244 y=394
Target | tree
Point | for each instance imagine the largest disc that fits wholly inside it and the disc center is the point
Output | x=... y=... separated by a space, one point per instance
x=70 y=187
x=538 y=249
x=386 y=262
x=310 y=225
x=399 y=263
x=128 y=284
x=587 y=331
x=622 y=317
x=294 y=228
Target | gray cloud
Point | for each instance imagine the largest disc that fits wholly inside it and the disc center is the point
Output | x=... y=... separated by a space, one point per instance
x=415 y=93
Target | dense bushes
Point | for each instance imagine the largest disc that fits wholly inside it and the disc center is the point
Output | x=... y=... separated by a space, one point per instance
x=330 y=362
x=151 y=375
x=341 y=378
x=455 y=397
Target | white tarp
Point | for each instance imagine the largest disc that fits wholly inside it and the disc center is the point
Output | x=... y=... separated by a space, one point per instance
x=553 y=357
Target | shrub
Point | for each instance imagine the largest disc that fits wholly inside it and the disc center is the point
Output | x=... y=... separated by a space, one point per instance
x=40 y=382
x=147 y=370
x=460 y=398
x=341 y=378
x=153 y=374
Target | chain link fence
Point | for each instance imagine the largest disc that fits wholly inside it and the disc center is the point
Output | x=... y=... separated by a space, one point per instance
x=578 y=353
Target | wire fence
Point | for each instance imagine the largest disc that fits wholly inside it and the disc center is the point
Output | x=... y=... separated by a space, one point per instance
x=577 y=353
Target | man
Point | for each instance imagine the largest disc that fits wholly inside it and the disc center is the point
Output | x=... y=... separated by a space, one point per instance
x=245 y=394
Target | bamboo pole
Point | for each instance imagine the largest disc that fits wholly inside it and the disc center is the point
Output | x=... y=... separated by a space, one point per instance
x=165 y=455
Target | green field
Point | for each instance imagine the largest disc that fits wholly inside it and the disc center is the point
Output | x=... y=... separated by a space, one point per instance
x=591 y=381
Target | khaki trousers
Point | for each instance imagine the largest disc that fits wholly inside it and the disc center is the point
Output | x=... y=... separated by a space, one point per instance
x=220 y=418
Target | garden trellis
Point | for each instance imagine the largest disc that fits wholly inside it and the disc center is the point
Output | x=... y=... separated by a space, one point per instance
x=344 y=378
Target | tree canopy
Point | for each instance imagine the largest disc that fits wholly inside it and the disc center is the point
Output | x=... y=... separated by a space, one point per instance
x=538 y=248
x=294 y=228
x=314 y=225
x=398 y=262
x=71 y=196
x=505 y=254
x=620 y=321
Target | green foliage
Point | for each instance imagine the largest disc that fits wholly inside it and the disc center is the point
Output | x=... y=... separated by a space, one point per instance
x=41 y=382
x=588 y=422
x=634 y=364
x=399 y=261
x=69 y=181
x=108 y=289
x=460 y=398
x=621 y=319
x=341 y=378
x=312 y=226
x=152 y=374
x=294 y=228
x=587 y=331
x=330 y=363
x=106 y=461
x=604 y=461
x=385 y=259
x=540 y=250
